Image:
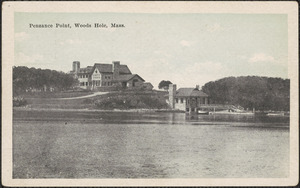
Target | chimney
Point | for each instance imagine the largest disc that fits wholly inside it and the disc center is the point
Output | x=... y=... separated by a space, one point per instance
x=76 y=66
x=197 y=87
x=116 y=69
x=172 y=93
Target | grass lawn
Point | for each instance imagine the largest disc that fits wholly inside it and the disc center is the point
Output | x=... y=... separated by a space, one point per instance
x=48 y=100
x=65 y=94
x=57 y=103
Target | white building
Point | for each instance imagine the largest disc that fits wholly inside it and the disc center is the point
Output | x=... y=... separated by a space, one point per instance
x=187 y=99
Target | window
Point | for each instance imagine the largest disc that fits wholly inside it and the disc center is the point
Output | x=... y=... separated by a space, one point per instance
x=133 y=82
x=181 y=100
x=95 y=71
x=86 y=83
x=176 y=100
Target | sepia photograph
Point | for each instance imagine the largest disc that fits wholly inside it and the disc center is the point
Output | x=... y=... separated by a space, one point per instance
x=150 y=93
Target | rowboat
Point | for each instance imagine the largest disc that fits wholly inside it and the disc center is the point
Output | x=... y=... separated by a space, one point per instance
x=201 y=112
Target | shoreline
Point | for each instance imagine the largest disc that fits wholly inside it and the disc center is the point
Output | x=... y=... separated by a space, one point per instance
x=24 y=108
x=86 y=109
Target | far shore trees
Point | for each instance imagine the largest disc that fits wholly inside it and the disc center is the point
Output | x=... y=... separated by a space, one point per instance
x=261 y=93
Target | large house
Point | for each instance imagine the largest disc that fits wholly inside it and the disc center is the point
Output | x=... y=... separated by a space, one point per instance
x=187 y=99
x=107 y=76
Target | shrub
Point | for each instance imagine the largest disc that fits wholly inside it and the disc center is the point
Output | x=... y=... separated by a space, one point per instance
x=132 y=100
x=19 y=101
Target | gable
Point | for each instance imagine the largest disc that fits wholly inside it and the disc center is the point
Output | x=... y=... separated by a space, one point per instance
x=96 y=75
x=129 y=77
x=135 y=76
x=96 y=71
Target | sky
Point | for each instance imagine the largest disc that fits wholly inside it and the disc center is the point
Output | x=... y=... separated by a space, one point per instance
x=187 y=49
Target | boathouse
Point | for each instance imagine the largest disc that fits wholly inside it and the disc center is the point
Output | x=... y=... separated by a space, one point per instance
x=187 y=99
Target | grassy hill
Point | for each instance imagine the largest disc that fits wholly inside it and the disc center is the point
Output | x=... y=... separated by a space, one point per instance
x=122 y=100
x=132 y=100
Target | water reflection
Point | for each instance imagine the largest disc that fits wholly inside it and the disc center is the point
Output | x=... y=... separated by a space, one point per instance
x=148 y=145
x=144 y=118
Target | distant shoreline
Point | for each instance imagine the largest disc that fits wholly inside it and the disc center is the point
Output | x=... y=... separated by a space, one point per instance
x=137 y=111
x=84 y=109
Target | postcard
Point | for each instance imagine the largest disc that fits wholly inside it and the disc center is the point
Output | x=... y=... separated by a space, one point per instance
x=168 y=93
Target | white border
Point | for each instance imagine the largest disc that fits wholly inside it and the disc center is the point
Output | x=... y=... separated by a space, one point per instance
x=8 y=9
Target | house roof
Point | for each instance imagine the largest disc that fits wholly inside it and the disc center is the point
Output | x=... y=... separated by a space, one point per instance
x=88 y=69
x=190 y=92
x=127 y=77
x=147 y=83
x=108 y=68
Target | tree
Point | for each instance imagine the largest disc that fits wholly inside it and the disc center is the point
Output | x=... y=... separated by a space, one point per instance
x=25 y=78
x=164 y=84
x=261 y=93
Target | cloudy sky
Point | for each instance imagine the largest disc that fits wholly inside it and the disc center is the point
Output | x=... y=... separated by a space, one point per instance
x=187 y=49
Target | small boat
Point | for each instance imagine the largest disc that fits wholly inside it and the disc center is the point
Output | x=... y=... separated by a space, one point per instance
x=169 y=111
x=275 y=114
x=226 y=112
x=202 y=112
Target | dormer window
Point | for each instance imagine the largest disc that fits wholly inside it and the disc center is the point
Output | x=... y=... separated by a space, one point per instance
x=96 y=71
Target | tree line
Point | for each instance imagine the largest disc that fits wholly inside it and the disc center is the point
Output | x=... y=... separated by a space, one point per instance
x=261 y=93
x=28 y=79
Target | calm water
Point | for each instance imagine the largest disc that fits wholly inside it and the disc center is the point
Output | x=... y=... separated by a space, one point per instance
x=148 y=145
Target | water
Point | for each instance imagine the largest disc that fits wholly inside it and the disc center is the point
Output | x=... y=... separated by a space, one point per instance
x=51 y=144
